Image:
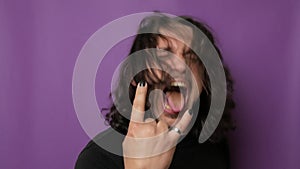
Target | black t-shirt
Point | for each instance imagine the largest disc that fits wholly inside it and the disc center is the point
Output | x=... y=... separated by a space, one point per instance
x=189 y=154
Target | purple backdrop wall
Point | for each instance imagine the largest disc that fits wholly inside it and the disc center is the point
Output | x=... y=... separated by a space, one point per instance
x=40 y=41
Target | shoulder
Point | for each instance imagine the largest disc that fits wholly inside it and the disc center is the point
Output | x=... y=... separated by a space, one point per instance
x=97 y=153
x=207 y=155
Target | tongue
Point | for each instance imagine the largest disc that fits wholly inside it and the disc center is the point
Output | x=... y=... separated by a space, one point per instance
x=175 y=101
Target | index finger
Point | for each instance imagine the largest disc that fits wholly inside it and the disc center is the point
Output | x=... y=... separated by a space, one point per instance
x=138 y=107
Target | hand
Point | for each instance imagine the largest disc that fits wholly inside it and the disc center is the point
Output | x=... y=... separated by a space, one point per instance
x=149 y=144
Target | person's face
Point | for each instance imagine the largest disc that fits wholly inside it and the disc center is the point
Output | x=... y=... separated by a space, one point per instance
x=176 y=57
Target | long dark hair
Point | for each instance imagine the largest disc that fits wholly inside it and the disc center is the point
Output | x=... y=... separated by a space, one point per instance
x=119 y=118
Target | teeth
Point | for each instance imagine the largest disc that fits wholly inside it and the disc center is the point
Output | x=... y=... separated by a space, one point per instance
x=178 y=84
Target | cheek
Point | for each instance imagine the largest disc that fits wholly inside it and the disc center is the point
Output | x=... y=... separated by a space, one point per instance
x=198 y=73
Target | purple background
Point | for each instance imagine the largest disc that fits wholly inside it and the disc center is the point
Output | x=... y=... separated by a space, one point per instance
x=40 y=41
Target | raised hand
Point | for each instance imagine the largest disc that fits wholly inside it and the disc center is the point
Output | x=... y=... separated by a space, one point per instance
x=150 y=144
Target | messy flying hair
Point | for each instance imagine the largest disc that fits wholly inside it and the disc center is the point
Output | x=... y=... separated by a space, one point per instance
x=118 y=118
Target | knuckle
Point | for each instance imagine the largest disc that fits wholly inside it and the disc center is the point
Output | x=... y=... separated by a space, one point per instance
x=138 y=107
x=150 y=121
x=130 y=133
x=140 y=130
x=165 y=125
x=149 y=131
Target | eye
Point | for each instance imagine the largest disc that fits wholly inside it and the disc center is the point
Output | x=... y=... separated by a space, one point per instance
x=191 y=56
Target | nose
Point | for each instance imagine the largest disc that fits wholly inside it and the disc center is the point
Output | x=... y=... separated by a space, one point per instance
x=176 y=63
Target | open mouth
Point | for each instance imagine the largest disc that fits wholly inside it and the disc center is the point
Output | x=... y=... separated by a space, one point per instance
x=175 y=98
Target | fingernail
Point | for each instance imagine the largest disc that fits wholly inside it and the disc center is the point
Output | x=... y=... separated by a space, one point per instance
x=142 y=84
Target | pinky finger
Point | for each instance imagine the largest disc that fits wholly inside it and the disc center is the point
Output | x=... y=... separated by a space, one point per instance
x=181 y=126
